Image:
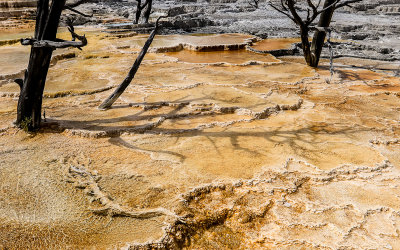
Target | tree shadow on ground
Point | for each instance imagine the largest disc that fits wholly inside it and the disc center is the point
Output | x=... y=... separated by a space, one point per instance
x=347 y=73
x=304 y=141
x=151 y=116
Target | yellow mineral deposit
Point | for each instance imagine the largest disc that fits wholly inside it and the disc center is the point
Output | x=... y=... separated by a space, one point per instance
x=275 y=43
x=218 y=57
x=13 y=59
x=230 y=149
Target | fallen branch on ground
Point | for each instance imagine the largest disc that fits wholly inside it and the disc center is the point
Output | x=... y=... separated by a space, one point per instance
x=121 y=88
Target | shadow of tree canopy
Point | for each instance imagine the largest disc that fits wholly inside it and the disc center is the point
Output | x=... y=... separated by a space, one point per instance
x=299 y=139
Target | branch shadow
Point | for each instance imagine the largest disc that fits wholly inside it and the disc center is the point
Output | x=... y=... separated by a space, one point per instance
x=118 y=141
x=148 y=123
x=302 y=141
x=295 y=139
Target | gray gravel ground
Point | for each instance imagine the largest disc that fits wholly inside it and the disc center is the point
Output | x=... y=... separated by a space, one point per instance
x=372 y=28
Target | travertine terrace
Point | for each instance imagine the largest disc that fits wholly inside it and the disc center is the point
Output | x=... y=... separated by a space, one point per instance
x=205 y=150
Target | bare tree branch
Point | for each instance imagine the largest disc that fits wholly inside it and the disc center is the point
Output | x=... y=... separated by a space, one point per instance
x=125 y=83
x=281 y=11
x=79 y=2
x=346 y=3
x=328 y=7
x=319 y=3
x=144 y=5
x=77 y=12
x=289 y=8
x=292 y=8
x=285 y=8
x=313 y=9
x=53 y=44
x=20 y=82
x=254 y=3
x=310 y=3
x=58 y=43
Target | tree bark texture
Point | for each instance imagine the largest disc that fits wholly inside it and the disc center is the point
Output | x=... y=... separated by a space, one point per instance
x=319 y=36
x=139 y=8
x=138 y=11
x=31 y=93
x=305 y=44
x=132 y=72
x=312 y=51
x=148 y=11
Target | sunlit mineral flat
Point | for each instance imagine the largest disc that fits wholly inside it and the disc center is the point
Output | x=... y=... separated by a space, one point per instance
x=236 y=149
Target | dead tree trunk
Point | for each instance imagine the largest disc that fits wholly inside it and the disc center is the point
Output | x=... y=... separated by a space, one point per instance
x=30 y=99
x=132 y=72
x=44 y=42
x=138 y=11
x=312 y=51
x=319 y=36
x=254 y=3
x=148 y=11
x=305 y=44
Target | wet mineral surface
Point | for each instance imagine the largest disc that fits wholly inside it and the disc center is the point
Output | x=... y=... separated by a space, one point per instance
x=209 y=147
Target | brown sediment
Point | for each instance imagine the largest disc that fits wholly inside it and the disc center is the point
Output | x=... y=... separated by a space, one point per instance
x=201 y=154
x=275 y=207
x=229 y=57
x=368 y=63
x=13 y=59
x=15 y=31
x=200 y=43
x=275 y=44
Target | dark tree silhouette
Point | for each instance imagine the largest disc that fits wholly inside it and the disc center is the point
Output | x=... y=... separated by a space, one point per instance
x=254 y=3
x=132 y=72
x=42 y=45
x=140 y=8
x=313 y=9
